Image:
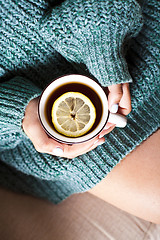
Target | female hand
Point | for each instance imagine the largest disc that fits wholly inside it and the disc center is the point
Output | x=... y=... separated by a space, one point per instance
x=44 y=144
x=119 y=100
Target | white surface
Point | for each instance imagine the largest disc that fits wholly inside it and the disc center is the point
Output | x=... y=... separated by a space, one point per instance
x=114 y=108
x=118 y=119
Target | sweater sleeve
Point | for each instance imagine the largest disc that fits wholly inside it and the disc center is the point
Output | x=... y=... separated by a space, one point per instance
x=94 y=34
x=15 y=95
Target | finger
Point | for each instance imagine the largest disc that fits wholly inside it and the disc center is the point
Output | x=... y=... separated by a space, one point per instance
x=107 y=130
x=97 y=143
x=82 y=148
x=33 y=129
x=114 y=97
x=108 y=125
x=125 y=102
x=42 y=142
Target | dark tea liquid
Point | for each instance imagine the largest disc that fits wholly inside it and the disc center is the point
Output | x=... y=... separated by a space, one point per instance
x=74 y=87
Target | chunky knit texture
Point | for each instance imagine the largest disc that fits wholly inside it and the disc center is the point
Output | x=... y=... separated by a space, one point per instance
x=94 y=33
x=115 y=42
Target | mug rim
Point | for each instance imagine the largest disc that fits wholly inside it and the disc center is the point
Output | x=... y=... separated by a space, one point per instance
x=86 y=137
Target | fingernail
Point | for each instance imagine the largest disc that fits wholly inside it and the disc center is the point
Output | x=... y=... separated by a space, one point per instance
x=106 y=127
x=96 y=142
x=58 y=151
x=114 y=108
x=101 y=143
x=101 y=135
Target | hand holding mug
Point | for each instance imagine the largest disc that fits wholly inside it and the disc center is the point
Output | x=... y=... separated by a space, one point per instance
x=119 y=100
x=93 y=91
x=44 y=143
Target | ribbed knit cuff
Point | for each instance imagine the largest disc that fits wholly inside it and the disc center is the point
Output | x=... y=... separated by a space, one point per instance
x=94 y=35
x=14 y=97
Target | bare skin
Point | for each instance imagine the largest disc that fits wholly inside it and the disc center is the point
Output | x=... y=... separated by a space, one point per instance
x=134 y=184
x=118 y=94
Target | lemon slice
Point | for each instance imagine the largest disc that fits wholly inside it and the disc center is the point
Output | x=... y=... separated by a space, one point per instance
x=73 y=114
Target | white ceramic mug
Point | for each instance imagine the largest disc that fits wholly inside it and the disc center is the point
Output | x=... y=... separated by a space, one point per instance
x=106 y=116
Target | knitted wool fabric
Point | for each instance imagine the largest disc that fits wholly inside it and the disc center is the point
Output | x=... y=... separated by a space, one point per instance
x=103 y=38
x=94 y=33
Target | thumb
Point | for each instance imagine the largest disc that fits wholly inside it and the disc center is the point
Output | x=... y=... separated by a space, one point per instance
x=114 y=97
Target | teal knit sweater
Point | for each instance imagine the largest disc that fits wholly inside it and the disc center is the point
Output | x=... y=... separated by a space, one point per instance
x=114 y=41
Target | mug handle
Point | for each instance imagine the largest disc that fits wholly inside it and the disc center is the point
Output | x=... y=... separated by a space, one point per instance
x=118 y=119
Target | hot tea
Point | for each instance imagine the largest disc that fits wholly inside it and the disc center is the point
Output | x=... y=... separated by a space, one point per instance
x=73 y=87
x=91 y=90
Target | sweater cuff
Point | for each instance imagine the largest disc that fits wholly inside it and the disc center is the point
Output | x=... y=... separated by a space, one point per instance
x=15 y=95
x=94 y=35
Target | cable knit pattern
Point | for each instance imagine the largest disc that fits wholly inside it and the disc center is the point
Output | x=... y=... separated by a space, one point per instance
x=38 y=43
